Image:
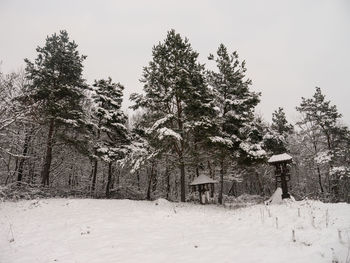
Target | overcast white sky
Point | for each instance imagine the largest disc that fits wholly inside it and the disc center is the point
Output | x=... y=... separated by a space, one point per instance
x=289 y=46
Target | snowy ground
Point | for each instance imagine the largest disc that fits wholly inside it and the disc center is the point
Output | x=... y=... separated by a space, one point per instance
x=88 y=231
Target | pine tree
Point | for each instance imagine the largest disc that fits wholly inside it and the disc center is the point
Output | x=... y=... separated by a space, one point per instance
x=280 y=123
x=111 y=135
x=277 y=135
x=56 y=89
x=319 y=111
x=236 y=135
x=322 y=118
x=177 y=96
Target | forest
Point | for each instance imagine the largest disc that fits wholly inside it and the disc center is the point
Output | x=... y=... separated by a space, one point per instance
x=62 y=136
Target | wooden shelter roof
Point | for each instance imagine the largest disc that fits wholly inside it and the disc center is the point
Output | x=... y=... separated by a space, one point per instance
x=280 y=158
x=203 y=179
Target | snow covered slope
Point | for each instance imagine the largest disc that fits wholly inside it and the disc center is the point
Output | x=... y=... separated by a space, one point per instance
x=89 y=231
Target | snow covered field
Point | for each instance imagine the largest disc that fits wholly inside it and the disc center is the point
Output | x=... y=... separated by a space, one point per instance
x=88 y=231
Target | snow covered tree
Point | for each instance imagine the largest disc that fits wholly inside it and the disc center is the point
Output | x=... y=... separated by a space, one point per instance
x=319 y=112
x=109 y=121
x=177 y=96
x=235 y=103
x=56 y=90
x=11 y=115
x=320 y=120
x=280 y=123
x=340 y=163
x=276 y=137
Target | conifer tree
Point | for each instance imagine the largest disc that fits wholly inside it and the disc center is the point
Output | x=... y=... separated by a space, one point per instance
x=280 y=123
x=236 y=136
x=176 y=94
x=111 y=135
x=276 y=137
x=323 y=118
x=56 y=89
x=319 y=111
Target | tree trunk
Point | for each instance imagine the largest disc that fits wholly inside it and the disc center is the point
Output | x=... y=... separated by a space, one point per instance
x=24 y=154
x=182 y=179
x=211 y=173
x=138 y=179
x=318 y=168
x=45 y=172
x=155 y=179
x=109 y=179
x=31 y=173
x=260 y=183
x=334 y=189
x=167 y=176
x=94 y=176
x=319 y=178
x=196 y=158
x=150 y=179
x=118 y=178
x=181 y=152
x=8 y=165
x=221 y=181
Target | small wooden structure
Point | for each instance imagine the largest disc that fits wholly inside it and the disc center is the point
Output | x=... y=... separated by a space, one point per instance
x=205 y=187
x=282 y=173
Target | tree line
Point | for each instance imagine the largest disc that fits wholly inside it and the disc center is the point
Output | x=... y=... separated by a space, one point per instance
x=59 y=131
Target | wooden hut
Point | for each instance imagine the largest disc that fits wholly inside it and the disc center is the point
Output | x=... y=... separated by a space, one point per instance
x=205 y=188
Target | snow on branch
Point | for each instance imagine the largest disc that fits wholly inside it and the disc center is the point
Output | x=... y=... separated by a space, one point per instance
x=159 y=122
x=254 y=150
x=136 y=154
x=236 y=101
x=166 y=132
x=341 y=171
x=13 y=154
x=323 y=157
x=74 y=123
x=218 y=139
x=6 y=123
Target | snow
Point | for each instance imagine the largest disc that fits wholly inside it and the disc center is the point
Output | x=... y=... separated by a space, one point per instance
x=203 y=179
x=168 y=132
x=341 y=171
x=338 y=169
x=109 y=231
x=159 y=122
x=254 y=150
x=276 y=197
x=69 y=121
x=236 y=101
x=103 y=150
x=323 y=157
x=218 y=139
x=280 y=158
